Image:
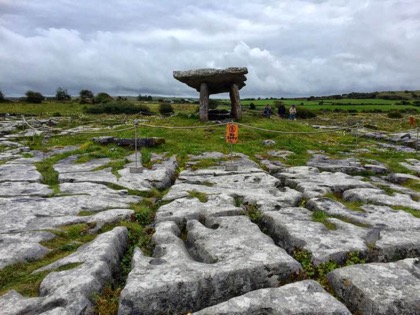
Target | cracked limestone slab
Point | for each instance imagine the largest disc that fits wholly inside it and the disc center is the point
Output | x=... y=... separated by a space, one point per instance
x=313 y=183
x=412 y=165
x=183 y=209
x=19 y=208
x=15 y=189
x=70 y=165
x=70 y=291
x=253 y=186
x=304 y=297
x=160 y=176
x=325 y=163
x=227 y=257
x=379 y=288
x=23 y=247
x=379 y=197
x=393 y=182
x=390 y=233
x=294 y=228
x=21 y=173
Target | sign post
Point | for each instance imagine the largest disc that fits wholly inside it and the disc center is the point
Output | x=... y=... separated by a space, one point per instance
x=231 y=138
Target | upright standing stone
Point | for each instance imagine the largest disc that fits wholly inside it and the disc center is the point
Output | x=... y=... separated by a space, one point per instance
x=214 y=81
x=204 y=101
x=235 y=102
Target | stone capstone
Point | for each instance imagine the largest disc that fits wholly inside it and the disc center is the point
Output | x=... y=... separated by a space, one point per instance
x=218 y=80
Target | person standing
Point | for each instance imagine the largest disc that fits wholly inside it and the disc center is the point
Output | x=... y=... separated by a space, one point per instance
x=282 y=111
x=292 y=112
x=267 y=111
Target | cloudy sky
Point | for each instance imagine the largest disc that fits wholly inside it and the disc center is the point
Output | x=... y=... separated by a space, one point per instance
x=290 y=47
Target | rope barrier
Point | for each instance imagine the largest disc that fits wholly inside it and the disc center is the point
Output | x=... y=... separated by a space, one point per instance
x=99 y=132
x=298 y=132
x=190 y=127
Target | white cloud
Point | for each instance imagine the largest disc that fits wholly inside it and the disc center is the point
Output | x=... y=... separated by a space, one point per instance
x=129 y=47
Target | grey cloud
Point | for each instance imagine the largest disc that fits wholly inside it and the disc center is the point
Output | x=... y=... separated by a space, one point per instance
x=290 y=47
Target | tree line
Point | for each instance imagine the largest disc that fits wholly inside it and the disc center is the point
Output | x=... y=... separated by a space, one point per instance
x=85 y=97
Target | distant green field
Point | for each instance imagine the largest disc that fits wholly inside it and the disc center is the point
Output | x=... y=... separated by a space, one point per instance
x=343 y=104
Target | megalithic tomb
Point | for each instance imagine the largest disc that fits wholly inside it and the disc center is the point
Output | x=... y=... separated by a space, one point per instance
x=213 y=81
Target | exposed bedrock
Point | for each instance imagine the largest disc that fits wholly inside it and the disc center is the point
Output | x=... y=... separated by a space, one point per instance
x=70 y=291
x=379 y=288
x=305 y=297
x=224 y=258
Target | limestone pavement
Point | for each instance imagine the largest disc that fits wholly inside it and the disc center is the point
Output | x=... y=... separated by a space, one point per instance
x=224 y=240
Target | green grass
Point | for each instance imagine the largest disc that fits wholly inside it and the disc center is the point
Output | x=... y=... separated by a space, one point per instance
x=322 y=217
x=202 y=197
x=353 y=205
x=414 y=212
x=253 y=212
x=319 y=272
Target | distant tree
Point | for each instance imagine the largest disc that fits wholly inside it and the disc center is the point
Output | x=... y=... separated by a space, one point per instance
x=62 y=94
x=34 y=97
x=103 y=97
x=144 y=98
x=2 y=99
x=213 y=104
x=86 y=97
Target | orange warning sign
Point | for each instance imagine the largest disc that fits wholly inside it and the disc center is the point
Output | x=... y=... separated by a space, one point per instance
x=232 y=133
x=412 y=121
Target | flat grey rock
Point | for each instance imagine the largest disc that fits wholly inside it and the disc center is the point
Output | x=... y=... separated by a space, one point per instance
x=160 y=176
x=313 y=183
x=70 y=291
x=14 y=189
x=379 y=288
x=252 y=186
x=379 y=197
x=412 y=165
x=22 y=215
x=305 y=297
x=227 y=257
x=70 y=165
x=323 y=162
x=21 y=173
x=398 y=232
x=23 y=247
x=293 y=228
x=13 y=303
x=182 y=209
x=401 y=178
x=389 y=182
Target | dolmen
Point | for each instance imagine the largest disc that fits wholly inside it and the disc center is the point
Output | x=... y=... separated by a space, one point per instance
x=213 y=81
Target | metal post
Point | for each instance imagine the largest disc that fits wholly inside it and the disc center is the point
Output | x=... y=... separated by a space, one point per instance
x=357 y=134
x=136 y=169
x=136 y=125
